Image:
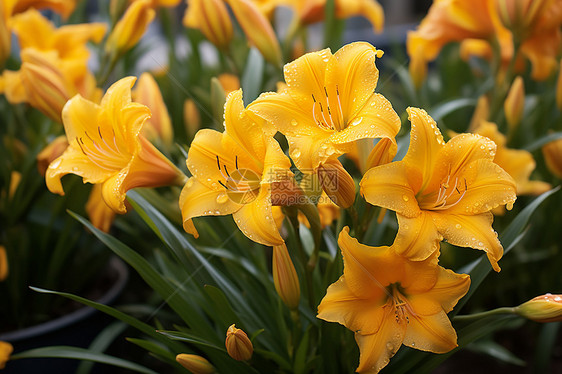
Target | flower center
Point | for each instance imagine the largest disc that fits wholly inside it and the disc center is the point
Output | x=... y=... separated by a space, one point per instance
x=401 y=307
x=450 y=193
x=106 y=155
x=242 y=185
x=327 y=111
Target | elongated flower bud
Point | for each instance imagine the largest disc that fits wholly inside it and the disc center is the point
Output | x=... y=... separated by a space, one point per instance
x=383 y=153
x=337 y=183
x=552 y=153
x=212 y=19
x=238 y=345
x=191 y=118
x=3 y=272
x=285 y=277
x=257 y=28
x=545 y=308
x=514 y=103
x=194 y=363
x=130 y=28
x=6 y=350
x=44 y=83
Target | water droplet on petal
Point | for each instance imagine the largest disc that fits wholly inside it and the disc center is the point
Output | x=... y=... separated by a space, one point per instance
x=222 y=198
x=458 y=226
x=294 y=122
x=405 y=197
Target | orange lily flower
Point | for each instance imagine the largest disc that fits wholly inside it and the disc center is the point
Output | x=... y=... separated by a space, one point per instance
x=6 y=350
x=389 y=300
x=105 y=147
x=159 y=125
x=328 y=103
x=234 y=172
x=442 y=191
x=101 y=215
x=3 y=264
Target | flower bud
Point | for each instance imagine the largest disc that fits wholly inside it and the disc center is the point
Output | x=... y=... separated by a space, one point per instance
x=257 y=28
x=418 y=69
x=191 y=118
x=337 y=183
x=545 y=308
x=552 y=153
x=212 y=19
x=44 y=83
x=158 y=128
x=514 y=103
x=3 y=276
x=195 y=364
x=383 y=153
x=238 y=345
x=6 y=350
x=54 y=150
x=285 y=277
x=130 y=28
x=519 y=15
x=229 y=82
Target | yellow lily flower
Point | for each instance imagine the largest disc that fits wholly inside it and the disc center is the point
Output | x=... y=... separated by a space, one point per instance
x=105 y=147
x=389 y=300
x=69 y=41
x=442 y=191
x=51 y=152
x=162 y=3
x=159 y=125
x=235 y=172
x=552 y=153
x=130 y=28
x=328 y=103
x=229 y=82
x=212 y=19
x=63 y=7
x=238 y=345
x=518 y=163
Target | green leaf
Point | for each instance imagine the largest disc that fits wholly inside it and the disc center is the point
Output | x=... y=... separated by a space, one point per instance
x=156 y=349
x=190 y=338
x=542 y=141
x=81 y=354
x=497 y=351
x=223 y=312
x=480 y=268
x=132 y=321
x=100 y=344
x=182 y=307
x=252 y=77
x=442 y=110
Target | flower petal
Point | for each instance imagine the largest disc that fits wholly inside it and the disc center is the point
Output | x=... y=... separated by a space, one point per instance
x=353 y=71
x=425 y=143
x=79 y=117
x=343 y=306
x=376 y=119
x=377 y=349
x=197 y=199
x=432 y=333
x=443 y=296
x=392 y=186
x=487 y=186
x=310 y=152
x=368 y=270
x=73 y=161
x=288 y=116
x=114 y=192
x=417 y=237
x=242 y=128
x=471 y=231
x=256 y=219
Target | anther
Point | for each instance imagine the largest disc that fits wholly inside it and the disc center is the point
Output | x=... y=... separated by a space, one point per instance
x=218 y=163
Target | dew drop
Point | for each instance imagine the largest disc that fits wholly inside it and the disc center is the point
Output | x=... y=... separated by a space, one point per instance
x=189 y=183
x=458 y=226
x=55 y=164
x=509 y=206
x=222 y=198
x=296 y=153
x=405 y=197
x=75 y=168
x=389 y=346
x=294 y=122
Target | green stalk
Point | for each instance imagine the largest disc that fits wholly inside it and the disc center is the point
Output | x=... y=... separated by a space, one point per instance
x=476 y=316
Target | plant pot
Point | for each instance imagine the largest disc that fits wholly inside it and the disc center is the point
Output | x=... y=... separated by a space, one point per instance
x=76 y=329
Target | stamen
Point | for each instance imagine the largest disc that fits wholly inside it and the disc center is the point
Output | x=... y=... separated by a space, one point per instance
x=226 y=170
x=235 y=162
x=218 y=163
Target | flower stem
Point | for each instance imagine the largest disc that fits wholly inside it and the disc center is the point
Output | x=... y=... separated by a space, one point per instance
x=475 y=316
